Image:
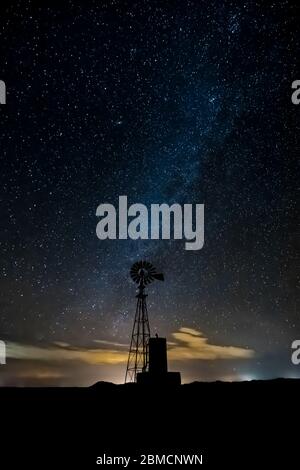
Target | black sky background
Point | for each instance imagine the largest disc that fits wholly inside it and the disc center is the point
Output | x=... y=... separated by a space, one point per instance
x=186 y=102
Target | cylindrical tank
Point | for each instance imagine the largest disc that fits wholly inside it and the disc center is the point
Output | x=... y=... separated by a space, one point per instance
x=158 y=363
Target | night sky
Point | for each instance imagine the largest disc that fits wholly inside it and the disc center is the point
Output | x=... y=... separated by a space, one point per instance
x=182 y=101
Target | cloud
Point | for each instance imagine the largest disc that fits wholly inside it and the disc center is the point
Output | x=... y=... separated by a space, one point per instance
x=111 y=343
x=43 y=374
x=189 y=344
x=61 y=352
x=192 y=344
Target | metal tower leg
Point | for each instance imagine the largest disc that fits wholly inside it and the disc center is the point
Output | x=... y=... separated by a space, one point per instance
x=138 y=352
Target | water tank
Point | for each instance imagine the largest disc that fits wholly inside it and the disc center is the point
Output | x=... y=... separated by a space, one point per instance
x=158 y=356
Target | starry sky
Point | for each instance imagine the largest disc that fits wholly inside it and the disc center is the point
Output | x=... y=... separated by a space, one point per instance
x=181 y=101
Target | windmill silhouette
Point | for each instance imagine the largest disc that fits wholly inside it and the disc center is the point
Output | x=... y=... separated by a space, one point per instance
x=142 y=273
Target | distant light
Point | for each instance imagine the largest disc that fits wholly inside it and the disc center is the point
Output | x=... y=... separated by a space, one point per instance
x=247 y=378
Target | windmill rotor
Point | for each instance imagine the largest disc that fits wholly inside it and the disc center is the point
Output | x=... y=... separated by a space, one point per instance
x=143 y=272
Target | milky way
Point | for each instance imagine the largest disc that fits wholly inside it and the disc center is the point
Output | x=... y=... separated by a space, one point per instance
x=186 y=102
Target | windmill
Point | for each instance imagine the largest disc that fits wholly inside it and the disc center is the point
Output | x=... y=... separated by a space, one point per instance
x=142 y=273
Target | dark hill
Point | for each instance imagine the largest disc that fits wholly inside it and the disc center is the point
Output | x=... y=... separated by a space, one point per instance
x=231 y=423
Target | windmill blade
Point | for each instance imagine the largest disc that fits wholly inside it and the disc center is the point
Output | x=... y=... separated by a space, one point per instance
x=143 y=271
